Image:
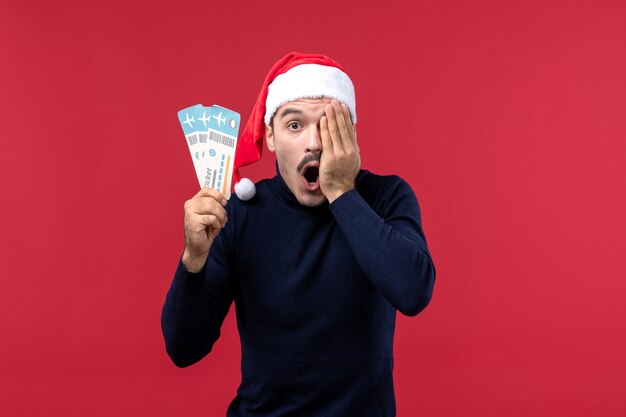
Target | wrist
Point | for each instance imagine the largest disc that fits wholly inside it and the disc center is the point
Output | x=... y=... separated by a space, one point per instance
x=193 y=262
x=333 y=195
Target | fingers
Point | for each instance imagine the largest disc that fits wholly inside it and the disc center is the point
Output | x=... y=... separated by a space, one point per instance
x=338 y=125
x=211 y=223
x=210 y=192
x=333 y=125
x=342 y=123
x=348 y=120
x=206 y=209
x=206 y=206
x=327 y=143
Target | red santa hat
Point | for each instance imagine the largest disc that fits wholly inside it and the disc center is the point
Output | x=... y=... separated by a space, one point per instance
x=293 y=77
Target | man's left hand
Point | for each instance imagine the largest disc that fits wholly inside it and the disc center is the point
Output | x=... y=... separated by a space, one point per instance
x=340 y=160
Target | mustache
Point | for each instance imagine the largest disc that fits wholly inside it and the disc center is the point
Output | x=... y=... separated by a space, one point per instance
x=308 y=158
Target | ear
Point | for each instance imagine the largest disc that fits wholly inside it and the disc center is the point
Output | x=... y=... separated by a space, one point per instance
x=269 y=138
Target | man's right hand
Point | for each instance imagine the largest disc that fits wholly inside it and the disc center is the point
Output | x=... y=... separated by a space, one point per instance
x=205 y=216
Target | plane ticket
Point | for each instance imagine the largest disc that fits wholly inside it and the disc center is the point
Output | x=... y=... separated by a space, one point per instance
x=211 y=134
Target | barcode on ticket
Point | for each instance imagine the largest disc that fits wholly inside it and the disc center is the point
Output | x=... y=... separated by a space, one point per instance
x=222 y=139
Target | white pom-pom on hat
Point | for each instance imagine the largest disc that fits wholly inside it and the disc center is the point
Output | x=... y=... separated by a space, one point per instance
x=245 y=189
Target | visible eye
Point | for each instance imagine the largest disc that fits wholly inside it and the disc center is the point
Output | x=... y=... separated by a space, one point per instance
x=293 y=126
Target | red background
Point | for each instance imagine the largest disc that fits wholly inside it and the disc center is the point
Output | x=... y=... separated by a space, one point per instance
x=506 y=117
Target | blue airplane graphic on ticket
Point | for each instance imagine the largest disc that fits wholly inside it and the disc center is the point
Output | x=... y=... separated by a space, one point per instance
x=211 y=134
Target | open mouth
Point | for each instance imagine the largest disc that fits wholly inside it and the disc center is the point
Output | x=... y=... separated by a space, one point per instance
x=311 y=175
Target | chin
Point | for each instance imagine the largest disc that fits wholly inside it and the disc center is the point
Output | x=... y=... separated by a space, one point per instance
x=309 y=200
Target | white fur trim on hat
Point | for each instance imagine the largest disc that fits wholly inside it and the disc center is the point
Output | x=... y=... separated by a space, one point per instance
x=310 y=81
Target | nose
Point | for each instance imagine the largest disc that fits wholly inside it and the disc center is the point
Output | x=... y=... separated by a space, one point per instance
x=314 y=139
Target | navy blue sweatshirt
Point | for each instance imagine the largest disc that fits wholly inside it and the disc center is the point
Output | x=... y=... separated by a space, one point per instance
x=316 y=291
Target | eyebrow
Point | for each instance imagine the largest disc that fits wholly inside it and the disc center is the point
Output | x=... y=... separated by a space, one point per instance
x=289 y=110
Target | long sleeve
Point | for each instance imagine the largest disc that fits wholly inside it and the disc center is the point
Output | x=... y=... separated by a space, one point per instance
x=388 y=242
x=195 y=307
x=315 y=290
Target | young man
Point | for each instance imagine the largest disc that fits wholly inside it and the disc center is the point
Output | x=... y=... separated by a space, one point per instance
x=317 y=262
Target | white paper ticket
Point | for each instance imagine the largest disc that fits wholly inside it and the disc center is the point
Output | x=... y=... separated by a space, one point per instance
x=211 y=134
